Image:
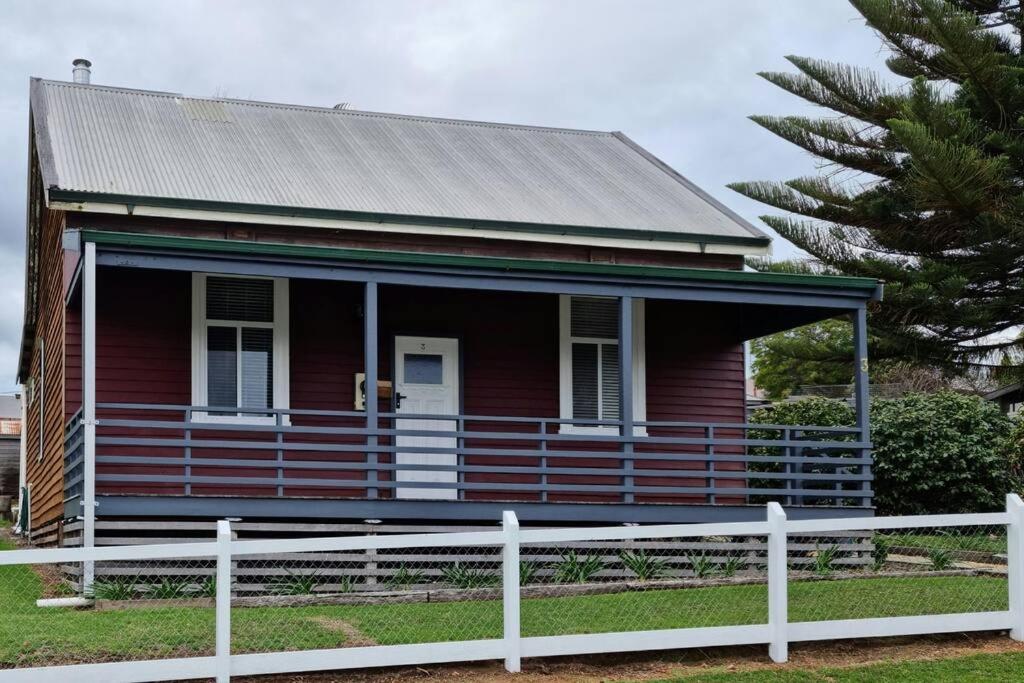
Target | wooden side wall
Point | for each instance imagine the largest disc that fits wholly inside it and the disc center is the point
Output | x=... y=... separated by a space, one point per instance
x=45 y=463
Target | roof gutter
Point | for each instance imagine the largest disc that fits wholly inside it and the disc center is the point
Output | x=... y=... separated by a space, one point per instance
x=72 y=200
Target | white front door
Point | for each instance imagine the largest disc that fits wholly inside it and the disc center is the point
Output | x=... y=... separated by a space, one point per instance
x=427 y=382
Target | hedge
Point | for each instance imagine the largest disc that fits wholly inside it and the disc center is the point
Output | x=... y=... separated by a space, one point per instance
x=933 y=453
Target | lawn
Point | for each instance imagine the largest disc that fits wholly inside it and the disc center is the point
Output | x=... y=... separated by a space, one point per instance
x=34 y=636
x=987 y=667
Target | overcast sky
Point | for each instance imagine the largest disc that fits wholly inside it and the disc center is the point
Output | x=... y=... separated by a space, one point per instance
x=678 y=76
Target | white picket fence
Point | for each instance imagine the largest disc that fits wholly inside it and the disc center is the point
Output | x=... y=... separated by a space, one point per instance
x=777 y=632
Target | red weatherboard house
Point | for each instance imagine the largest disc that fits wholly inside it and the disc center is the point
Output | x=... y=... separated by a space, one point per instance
x=296 y=314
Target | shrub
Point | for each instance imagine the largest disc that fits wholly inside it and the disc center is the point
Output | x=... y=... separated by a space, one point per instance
x=933 y=453
x=644 y=566
x=577 y=568
x=461 y=576
x=939 y=453
x=813 y=410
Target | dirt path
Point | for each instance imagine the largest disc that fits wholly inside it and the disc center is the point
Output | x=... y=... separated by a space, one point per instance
x=660 y=665
x=353 y=636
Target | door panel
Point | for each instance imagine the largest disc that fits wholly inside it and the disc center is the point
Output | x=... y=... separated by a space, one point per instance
x=427 y=378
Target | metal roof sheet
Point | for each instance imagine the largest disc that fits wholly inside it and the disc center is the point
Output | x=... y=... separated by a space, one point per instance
x=114 y=141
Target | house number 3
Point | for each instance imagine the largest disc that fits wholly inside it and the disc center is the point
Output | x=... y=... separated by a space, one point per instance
x=863 y=364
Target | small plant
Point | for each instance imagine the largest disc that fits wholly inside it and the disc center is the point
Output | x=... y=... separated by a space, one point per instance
x=880 y=553
x=824 y=558
x=112 y=589
x=731 y=566
x=208 y=587
x=168 y=589
x=941 y=558
x=645 y=567
x=702 y=566
x=295 y=584
x=461 y=576
x=577 y=568
x=346 y=584
x=527 y=572
x=403 y=578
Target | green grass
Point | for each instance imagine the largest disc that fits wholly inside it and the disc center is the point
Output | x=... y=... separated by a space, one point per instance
x=32 y=636
x=998 y=668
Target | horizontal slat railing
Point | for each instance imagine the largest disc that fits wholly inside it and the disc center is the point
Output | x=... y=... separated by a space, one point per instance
x=165 y=448
x=74 y=472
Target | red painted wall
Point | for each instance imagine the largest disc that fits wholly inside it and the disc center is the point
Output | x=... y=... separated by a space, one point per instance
x=509 y=343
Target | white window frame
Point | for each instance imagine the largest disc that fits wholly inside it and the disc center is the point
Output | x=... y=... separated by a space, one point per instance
x=280 y=354
x=565 y=341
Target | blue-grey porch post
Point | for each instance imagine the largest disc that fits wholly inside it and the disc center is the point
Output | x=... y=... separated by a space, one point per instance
x=626 y=390
x=860 y=386
x=370 y=347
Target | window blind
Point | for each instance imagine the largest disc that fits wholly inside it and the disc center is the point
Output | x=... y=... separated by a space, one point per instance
x=242 y=299
x=591 y=317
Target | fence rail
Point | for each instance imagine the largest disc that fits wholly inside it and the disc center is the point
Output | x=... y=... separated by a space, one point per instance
x=477 y=595
x=198 y=450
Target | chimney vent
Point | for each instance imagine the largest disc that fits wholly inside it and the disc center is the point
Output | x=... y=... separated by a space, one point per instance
x=343 y=105
x=80 y=71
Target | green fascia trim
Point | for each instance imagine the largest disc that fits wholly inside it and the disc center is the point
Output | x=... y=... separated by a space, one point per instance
x=865 y=285
x=441 y=221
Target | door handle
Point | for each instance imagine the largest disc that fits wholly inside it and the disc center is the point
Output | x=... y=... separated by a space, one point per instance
x=398 y=399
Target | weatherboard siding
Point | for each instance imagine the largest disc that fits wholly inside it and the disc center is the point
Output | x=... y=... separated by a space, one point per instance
x=44 y=469
x=509 y=346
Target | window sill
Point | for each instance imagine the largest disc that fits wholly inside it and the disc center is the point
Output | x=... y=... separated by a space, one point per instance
x=240 y=420
x=597 y=430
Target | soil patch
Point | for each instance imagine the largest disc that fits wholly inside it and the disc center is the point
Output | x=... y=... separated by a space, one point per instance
x=654 y=666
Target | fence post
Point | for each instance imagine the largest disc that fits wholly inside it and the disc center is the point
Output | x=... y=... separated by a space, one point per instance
x=223 y=617
x=1015 y=563
x=510 y=584
x=778 y=599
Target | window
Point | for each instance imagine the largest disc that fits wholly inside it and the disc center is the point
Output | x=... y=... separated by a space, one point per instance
x=239 y=346
x=589 y=360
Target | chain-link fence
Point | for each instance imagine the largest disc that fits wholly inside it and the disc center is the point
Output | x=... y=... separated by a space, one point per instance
x=365 y=597
x=130 y=611
x=897 y=572
x=642 y=584
x=442 y=597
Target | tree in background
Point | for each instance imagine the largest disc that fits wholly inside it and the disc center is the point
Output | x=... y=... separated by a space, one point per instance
x=815 y=354
x=924 y=184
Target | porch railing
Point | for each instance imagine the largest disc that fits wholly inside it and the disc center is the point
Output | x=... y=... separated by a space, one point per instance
x=180 y=450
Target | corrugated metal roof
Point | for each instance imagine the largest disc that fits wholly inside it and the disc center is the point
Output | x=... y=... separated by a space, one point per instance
x=113 y=141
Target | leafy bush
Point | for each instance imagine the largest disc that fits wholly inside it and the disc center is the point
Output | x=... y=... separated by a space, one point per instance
x=461 y=576
x=933 y=453
x=404 y=577
x=295 y=584
x=813 y=410
x=112 y=589
x=527 y=572
x=939 y=453
x=577 y=568
x=824 y=558
x=702 y=566
x=646 y=567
